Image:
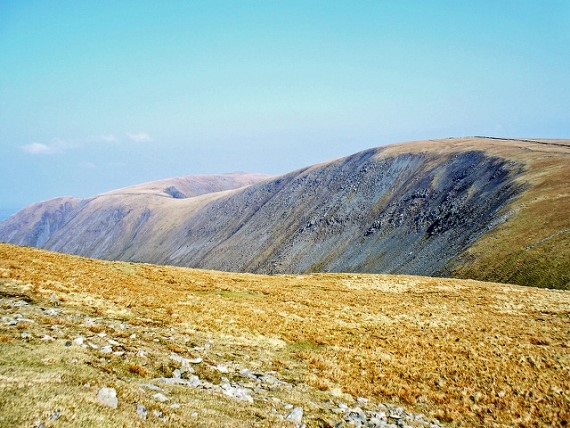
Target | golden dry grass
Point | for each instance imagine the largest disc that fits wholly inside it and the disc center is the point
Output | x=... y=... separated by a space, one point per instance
x=467 y=352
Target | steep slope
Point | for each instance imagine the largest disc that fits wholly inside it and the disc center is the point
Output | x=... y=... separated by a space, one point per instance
x=35 y=224
x=446 y=207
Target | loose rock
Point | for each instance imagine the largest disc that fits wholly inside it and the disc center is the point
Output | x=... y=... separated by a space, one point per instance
x=159 y=396
x=237 y=392
x=142 y=412
x=108 y=397
x=295 y=416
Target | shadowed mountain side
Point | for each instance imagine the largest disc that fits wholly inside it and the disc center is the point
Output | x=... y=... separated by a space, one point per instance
x=35 y=224
x=451 y=207
x=366 y=213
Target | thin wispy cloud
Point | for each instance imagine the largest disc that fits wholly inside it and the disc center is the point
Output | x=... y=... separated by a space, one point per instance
x=57 y=146
x=38 y=149
x=139 y=137
x=60 y=145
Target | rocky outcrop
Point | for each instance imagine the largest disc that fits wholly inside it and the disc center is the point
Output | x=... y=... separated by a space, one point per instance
x=410 y=213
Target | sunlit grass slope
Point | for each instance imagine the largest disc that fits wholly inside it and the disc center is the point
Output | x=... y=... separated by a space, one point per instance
x=469 y=353
x=533 y=247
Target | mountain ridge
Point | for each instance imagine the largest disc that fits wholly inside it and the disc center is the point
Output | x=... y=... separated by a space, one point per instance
x=429 y=208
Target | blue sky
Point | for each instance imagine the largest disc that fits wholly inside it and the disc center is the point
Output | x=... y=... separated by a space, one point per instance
x=96 y=95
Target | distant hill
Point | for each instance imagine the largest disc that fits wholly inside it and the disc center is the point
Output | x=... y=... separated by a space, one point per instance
x=483 y=208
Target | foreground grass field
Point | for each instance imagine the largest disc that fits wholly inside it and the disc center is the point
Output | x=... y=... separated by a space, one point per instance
x=468 y=353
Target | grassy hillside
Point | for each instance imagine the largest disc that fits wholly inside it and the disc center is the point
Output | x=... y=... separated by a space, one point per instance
x=468 y=353
x=533 y=247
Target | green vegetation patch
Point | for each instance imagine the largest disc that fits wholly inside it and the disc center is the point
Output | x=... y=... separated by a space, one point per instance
x=303 y=345
x=237 y=295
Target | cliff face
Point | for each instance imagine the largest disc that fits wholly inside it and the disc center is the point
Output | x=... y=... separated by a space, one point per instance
x=419 y=208
x=408 y=213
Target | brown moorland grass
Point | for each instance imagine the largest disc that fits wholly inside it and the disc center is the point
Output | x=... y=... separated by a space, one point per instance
x=469 y=353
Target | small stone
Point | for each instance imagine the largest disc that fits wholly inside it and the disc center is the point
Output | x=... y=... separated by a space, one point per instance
x=177 y=374
x=54 y=299
x=194 y=414
x=106 y=349
x=222 y=369
x=47 y=337
x=68 y=343
x=379 y=415
x=355 y=415
x=25 y=335
x=295 y=416
x=93 y=345
x=194 y=381
x=142 y=412
x=141 y=353
x=247 y=373
x=19 y=303
x=78 y=341
x=175 y=406
x=108 y=397
x=151 y=386
x=133 y=336
x=159 y=396
x=160 y=415
x=375 y=422
x=237 y=392
x=55 y=415
x=196 y=360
